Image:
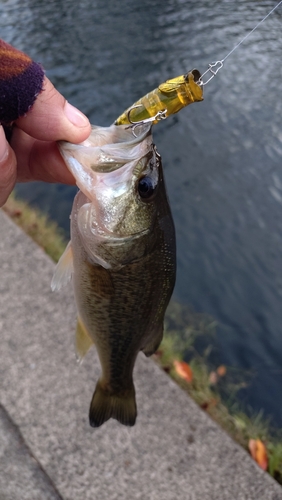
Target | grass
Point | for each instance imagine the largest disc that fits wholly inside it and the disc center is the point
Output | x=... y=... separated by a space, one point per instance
x=46 y=233
x=186 y=334
x=209 y=389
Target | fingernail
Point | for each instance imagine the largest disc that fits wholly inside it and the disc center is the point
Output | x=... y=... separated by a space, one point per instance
x=4 y=150
x=75 y=116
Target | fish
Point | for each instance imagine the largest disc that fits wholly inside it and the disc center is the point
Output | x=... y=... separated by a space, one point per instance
x=167 y=99
x=121 y=259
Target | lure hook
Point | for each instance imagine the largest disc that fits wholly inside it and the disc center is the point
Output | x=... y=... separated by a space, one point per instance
x=160 y=115
x=218 y=65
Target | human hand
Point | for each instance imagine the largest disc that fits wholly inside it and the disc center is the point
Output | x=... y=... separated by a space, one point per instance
x=33 y=153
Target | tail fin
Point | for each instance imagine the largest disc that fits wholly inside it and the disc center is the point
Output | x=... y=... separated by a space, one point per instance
x=105 y=405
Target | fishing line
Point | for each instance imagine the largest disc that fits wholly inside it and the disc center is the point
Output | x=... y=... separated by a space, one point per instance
x=216 y=66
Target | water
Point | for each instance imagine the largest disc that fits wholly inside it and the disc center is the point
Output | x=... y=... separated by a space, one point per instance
x=222 y=157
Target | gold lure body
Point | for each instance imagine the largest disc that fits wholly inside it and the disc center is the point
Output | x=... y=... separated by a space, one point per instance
x=169 y=98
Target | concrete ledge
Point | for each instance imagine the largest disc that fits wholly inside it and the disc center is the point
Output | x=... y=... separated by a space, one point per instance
x=21 y=476
x=174 y=451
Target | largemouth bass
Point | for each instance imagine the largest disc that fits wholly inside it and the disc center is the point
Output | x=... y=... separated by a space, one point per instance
x=121 y=257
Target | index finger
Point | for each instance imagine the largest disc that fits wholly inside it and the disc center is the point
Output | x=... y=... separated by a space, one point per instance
x=38 y=160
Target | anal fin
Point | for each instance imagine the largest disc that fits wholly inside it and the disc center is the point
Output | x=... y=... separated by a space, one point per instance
x=153 y=342
x=83 y=341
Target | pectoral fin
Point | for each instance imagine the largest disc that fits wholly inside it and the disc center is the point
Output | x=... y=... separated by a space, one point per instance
x=83 y=341
x=64 y=269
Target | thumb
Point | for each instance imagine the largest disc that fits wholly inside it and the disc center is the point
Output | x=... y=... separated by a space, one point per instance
x=52 y=118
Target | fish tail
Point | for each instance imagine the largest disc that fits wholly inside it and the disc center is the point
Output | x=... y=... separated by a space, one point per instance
x=106 y=405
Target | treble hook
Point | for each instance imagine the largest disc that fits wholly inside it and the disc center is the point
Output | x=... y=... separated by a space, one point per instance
x=161 y=115
x=212 y=71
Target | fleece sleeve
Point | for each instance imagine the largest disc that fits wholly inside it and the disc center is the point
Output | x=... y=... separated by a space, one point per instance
x=21 y=81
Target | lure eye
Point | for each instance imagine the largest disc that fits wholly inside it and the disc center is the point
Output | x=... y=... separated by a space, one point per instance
x=146 y=187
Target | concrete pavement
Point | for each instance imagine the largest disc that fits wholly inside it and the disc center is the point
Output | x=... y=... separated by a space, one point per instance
x=47 y=448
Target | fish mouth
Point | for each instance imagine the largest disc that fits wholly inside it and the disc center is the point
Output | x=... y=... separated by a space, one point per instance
x=106 y=167
x=107 y=149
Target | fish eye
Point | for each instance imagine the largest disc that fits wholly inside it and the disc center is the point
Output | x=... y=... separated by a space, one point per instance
x=146 y=187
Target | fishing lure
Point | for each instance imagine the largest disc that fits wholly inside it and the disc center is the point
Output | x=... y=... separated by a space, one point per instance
x=169 y=98
x=173 y=95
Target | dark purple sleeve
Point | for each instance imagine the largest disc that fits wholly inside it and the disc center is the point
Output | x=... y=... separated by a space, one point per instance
x=21 y=81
